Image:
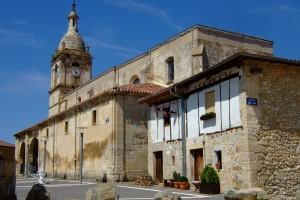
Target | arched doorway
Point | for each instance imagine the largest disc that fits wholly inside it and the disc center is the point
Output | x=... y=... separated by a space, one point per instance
x=33 y=156
x=22 y=158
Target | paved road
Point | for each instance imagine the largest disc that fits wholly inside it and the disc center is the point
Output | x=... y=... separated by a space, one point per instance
x=73 y=190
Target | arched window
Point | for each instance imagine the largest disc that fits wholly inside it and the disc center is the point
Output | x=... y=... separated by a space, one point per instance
x=135 y=80
x=170 y=67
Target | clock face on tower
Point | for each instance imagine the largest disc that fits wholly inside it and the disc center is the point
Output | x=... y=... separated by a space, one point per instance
x=76 y=72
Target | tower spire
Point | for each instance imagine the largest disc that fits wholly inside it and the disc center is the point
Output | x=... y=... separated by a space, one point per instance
x=73 y=18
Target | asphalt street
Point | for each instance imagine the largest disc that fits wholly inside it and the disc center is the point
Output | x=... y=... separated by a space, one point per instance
x=73 y=190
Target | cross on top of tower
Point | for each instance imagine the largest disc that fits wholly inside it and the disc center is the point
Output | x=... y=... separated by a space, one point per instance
x=74 y=5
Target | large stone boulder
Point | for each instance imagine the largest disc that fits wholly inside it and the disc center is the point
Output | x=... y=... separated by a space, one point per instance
x=253 y=194
x=298 y=195
x=166 y=195
x=104 y=191
x=39 y=192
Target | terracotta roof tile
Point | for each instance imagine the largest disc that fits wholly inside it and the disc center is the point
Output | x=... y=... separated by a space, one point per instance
x=5 y=144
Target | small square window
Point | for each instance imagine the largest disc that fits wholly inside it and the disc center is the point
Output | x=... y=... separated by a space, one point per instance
x=218 y=160
x=173 y=160
x=90 y=93
x=210 y=102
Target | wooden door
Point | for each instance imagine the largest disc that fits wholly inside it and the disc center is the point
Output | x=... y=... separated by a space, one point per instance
x=158 y=166
x=198 y=163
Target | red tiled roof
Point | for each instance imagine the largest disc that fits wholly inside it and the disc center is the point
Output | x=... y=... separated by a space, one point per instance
x=143 y=88
x=5 y=144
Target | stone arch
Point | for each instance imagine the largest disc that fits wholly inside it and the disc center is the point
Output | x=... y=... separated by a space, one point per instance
x=33 y=156
x=135 y=80
x=22 y=158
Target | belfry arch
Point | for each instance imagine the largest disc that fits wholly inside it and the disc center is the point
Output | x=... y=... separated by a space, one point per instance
x=33 y=156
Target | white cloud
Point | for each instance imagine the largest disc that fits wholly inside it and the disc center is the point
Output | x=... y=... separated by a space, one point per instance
x=94 y=42
x=24 y=82
x=8 y=36
x=147 y=9
x=19 y=22
x=273 y=9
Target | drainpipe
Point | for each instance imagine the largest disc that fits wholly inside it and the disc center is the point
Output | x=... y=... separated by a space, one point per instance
x=173 y=93
x=81 y=156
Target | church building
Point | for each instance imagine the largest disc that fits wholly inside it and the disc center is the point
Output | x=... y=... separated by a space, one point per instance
x=196 y=84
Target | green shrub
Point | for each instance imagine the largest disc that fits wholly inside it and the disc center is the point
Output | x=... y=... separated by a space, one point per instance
x=209 y=176
x=183 y=179
x=176 y=176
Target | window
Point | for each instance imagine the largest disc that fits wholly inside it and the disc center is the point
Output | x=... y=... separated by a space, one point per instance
x=210 y=102
x=75 y=64
x=94 y=117
x=218 y=159
x=90 y=93
x=166 y=116
x=79 y=99
x=170 y=65
x=47 y=132
x=135 y=80
x=66 y=127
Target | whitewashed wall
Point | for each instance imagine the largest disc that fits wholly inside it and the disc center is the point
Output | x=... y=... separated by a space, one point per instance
x=192 y=116
x=227 y=111
x=175 y=120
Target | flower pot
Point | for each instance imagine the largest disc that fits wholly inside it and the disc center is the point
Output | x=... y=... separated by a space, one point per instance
x=172 y=184
x=210 y=188
x=176 y=185
x=184 y=185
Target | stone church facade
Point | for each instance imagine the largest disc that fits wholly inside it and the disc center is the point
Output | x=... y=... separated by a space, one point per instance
x=104 y=115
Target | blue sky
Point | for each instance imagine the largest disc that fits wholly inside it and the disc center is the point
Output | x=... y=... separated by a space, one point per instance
x=116 y=30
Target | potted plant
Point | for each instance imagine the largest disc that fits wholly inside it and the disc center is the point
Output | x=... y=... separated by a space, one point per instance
x=210 y=182
x=184 y=183
x=176 y=177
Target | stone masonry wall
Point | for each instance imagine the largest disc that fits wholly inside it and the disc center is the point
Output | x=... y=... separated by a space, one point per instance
x=170 y=150
x=7 y=173
x=235 y=161
x=274 y=128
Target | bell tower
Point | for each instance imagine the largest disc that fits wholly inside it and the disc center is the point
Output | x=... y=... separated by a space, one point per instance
x=71 y=64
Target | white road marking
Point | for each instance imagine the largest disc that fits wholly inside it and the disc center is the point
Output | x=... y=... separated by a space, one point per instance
x=47 y=180
x=146 y=198
x=154 y=190
x=134 y=198
x=196 y=195
x=59 y=185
